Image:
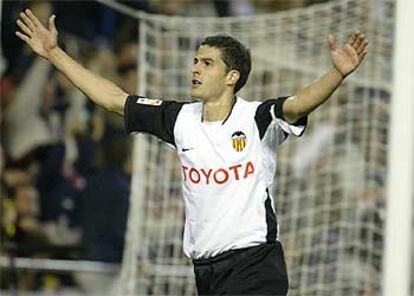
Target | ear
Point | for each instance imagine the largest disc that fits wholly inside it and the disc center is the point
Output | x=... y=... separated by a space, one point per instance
x=232 y=77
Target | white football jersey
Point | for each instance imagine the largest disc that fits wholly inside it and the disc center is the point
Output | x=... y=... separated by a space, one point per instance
x=227 y=167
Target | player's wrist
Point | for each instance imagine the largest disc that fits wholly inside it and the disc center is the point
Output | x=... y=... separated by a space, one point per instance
x=338 y=73
x=55 y=55
x=54 y=52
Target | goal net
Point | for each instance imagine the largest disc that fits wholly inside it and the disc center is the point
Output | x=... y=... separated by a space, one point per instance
x=330 y=184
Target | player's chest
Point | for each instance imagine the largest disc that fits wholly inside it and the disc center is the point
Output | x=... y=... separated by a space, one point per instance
x=208 y=145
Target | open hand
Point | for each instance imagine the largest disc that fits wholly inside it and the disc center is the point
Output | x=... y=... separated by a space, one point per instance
x=348 y=57
x=42 y=40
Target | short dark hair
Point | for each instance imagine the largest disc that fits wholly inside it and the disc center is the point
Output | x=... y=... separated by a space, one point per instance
x=234 y=54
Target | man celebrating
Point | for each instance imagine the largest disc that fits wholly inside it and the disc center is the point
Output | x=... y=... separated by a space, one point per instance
x=226 y=147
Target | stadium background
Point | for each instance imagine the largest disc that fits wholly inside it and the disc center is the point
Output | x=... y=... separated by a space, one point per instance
x=66 y=164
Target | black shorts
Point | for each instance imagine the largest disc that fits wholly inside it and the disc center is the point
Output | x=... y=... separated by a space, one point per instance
x=258 y=270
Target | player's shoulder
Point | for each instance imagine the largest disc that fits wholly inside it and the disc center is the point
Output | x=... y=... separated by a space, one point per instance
x=248 y=104
x=193 y=108
x=190 y=110
x=266 y=104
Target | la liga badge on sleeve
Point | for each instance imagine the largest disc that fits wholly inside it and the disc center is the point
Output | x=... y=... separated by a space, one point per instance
x=151 y=102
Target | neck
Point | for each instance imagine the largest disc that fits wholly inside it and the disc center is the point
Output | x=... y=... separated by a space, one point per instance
x=218 y=110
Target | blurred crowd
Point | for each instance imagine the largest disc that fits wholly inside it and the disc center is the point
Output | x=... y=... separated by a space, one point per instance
x=65 y=163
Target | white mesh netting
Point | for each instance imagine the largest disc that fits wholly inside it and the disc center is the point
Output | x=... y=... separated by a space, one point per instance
x=330 y=186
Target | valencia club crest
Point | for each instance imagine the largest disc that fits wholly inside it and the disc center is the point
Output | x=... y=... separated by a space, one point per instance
x=238 y=140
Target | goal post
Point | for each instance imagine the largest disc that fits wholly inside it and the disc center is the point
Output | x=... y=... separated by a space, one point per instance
x=399 y=254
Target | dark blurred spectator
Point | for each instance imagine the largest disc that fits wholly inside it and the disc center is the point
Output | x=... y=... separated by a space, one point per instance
x=21 y=208
x=7 y=91
x=30 y=234
x=10 y=44
x=60 y=192
x=21 y=136
x=17 y=57
x=10 y=180
x=127 y=68
x=105 y=204
x=86 y=13
x=22 y=233
x=104 y=214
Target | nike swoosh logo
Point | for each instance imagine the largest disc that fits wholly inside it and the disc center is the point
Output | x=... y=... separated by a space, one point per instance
x=186 y=149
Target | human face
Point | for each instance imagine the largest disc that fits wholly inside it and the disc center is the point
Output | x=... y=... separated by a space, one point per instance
x=209 y=74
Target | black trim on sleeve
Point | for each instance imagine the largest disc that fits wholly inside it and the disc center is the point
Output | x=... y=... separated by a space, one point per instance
x=301 y=121
x=155 y=119
x=279 y=107
x=263 y=117
x=279 y=112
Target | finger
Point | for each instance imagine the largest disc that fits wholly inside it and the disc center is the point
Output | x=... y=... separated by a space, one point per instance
x=24 y=28
x=363 y=54
x=359 y=41
x=354 y=37
x=332 y=42
x=23 y=37
x=52 y=25
x=362 y=57
x=27 y=21
x=362 y=46
x=33 y=18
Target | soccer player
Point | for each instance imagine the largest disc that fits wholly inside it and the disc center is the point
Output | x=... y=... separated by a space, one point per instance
x=227 y=150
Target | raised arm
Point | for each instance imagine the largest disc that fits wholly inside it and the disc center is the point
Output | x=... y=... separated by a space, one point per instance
x=345 y=59
x=43 y=42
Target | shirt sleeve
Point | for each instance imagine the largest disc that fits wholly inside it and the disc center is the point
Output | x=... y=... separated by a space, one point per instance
x=152 y=116
x=271 y=111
